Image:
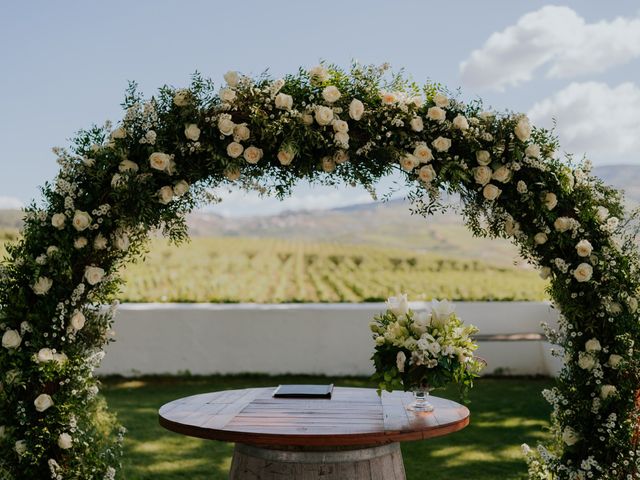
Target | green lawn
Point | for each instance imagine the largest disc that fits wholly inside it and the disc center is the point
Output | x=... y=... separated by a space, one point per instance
x=504 y=414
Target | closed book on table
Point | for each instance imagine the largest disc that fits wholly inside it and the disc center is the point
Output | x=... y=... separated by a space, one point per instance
x=303 y=391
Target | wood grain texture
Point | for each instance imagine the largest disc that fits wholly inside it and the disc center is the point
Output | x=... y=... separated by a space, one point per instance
x=354 y=417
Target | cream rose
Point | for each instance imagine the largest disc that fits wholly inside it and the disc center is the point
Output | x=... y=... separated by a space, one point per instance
x=562 y=224
x=159 y=161
x=252 y=154
x=241 y=132
x=94 y=275
x=523 y=129
x=633 y=304
x=324 y=115
x=43 y=402
x=307 y=119
x=100 y=242
x=181 y=98
x=319 y=74
x=417 y=125
x=483 y=157
x=118 y=133
x=341 y=156
x=180 y=188
x=11 y=339
x=80 y=242
x=491 y=192
x=461 y=122
x=121 y=240
x=592 y=345
x=192 y=132
x=540 y=238
x=232 y=173
x=57 y=220
x=569 y=436
x=232 y=78
x=532 y=151
x=482 y=175
x=20 y=447
x=42 y=285
x=614 y=360
x=586 y=361
x=77 y=320
x=436 y=113
x=427 y=174
x=235 y=149
x=441 y=144
x=607 y=391
x=441 y=100
x=423 y=153
x=226 y=125
x=511 y=227
x=408 y=162
x=227 y=95
x=340 y=126
x=401 y=359
x=550 y=200
x=584 y=248
x=81 y=220
x=356 y=109
x=165 y=194
x=284 y=101
x=331 y=94
x=286 y=156
x=45 y=355
x=117 y=180
x=342 y=139
x=388 y=98
x=65 y=441
x=602 y=213
x=128 y=166
x=328 y=164
x=583 y=272
x=502 y=174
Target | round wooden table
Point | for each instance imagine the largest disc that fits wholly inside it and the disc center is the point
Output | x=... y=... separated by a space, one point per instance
x=353 y=435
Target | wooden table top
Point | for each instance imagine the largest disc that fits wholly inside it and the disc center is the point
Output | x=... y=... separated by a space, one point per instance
x=352 y=417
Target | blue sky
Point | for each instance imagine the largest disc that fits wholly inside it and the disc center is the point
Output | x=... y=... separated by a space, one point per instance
x=65 y=65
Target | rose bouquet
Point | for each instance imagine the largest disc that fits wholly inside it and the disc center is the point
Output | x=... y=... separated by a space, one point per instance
x=423 y=350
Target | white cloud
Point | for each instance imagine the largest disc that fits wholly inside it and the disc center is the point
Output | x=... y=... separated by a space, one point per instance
x=596 y=119
x=555 y=36
x=10 y=203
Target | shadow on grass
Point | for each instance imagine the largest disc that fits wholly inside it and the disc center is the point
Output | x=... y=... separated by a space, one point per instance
x=504 y=414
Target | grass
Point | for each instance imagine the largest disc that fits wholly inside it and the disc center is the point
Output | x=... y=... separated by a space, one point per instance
x=505 y=414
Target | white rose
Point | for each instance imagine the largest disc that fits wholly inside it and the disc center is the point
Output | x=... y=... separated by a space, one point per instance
x=235 y=149
x=569 y=436
x=388 y=98
x=417 y=125
x=331 y=94
x=586 y=361
x=340 y=157
x=401 y=358
x=100 y=242
x=523 y=129
x=42 y=285
x=340 y=126
x=356 y=109
x=93 y=274
x=602 y=213
x=307 y=119
x=540 y=238
x=11 y=339
x=159 y=160
x=398 y=305
x=117 y=180
x=324 y=115
x=502 y=174
x=57 y=220
x=545 y=272
x=511 y=227
x=408 y=162
x=319 y=74
x=441 y=100
x=42 y=402
x=436 y=113
x=45 y=355
x=423 y=153
x=550 y=200
x=286 y=156
x=483 y=157
x=232 y=78
x=121 y=240
x=328 y=164
x=240 y=133
x=427 y=174
x=441 y=144
x=592 y=345
x=584 y=248
x=192 y=132
x=614 y=360
x=562 y=224
x=181 y=98
x=226 y=125
x=583 y=272
x=532 y=151
x=441 y=311
x=128 y=166
x=77 y=320
x=20 y=447
x=284 y=101
x=60 y=358
x=165 y=194
x=65 y=441
x=80 y=242
x=180 y=188
x=461 y=122
x=276 y=86
x=227 y=95
x=633 y=304
x=232 y=173
x=342 y=139
x=252 y=154
x=482 y=175
x=491 y=192
x=81 y=220
x=607 y=391
x=118 y=133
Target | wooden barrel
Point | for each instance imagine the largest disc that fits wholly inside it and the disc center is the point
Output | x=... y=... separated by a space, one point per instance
x=383 y=462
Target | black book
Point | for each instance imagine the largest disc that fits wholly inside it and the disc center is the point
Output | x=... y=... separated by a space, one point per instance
x=303 y=391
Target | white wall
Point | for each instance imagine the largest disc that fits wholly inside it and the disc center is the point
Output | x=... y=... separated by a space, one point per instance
x=331 y=339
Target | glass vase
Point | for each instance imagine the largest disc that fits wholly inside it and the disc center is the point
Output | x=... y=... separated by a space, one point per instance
x=420 y=400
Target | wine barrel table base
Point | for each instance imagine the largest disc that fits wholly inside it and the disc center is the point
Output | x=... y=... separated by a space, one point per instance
x=353 y=435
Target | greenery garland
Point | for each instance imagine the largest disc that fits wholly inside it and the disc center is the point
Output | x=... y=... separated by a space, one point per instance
x=325 y=125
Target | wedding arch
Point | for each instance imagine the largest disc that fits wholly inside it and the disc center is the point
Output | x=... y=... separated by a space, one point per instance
x=326 y=125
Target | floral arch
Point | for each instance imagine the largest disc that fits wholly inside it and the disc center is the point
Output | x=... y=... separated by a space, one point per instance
x=324 y=125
